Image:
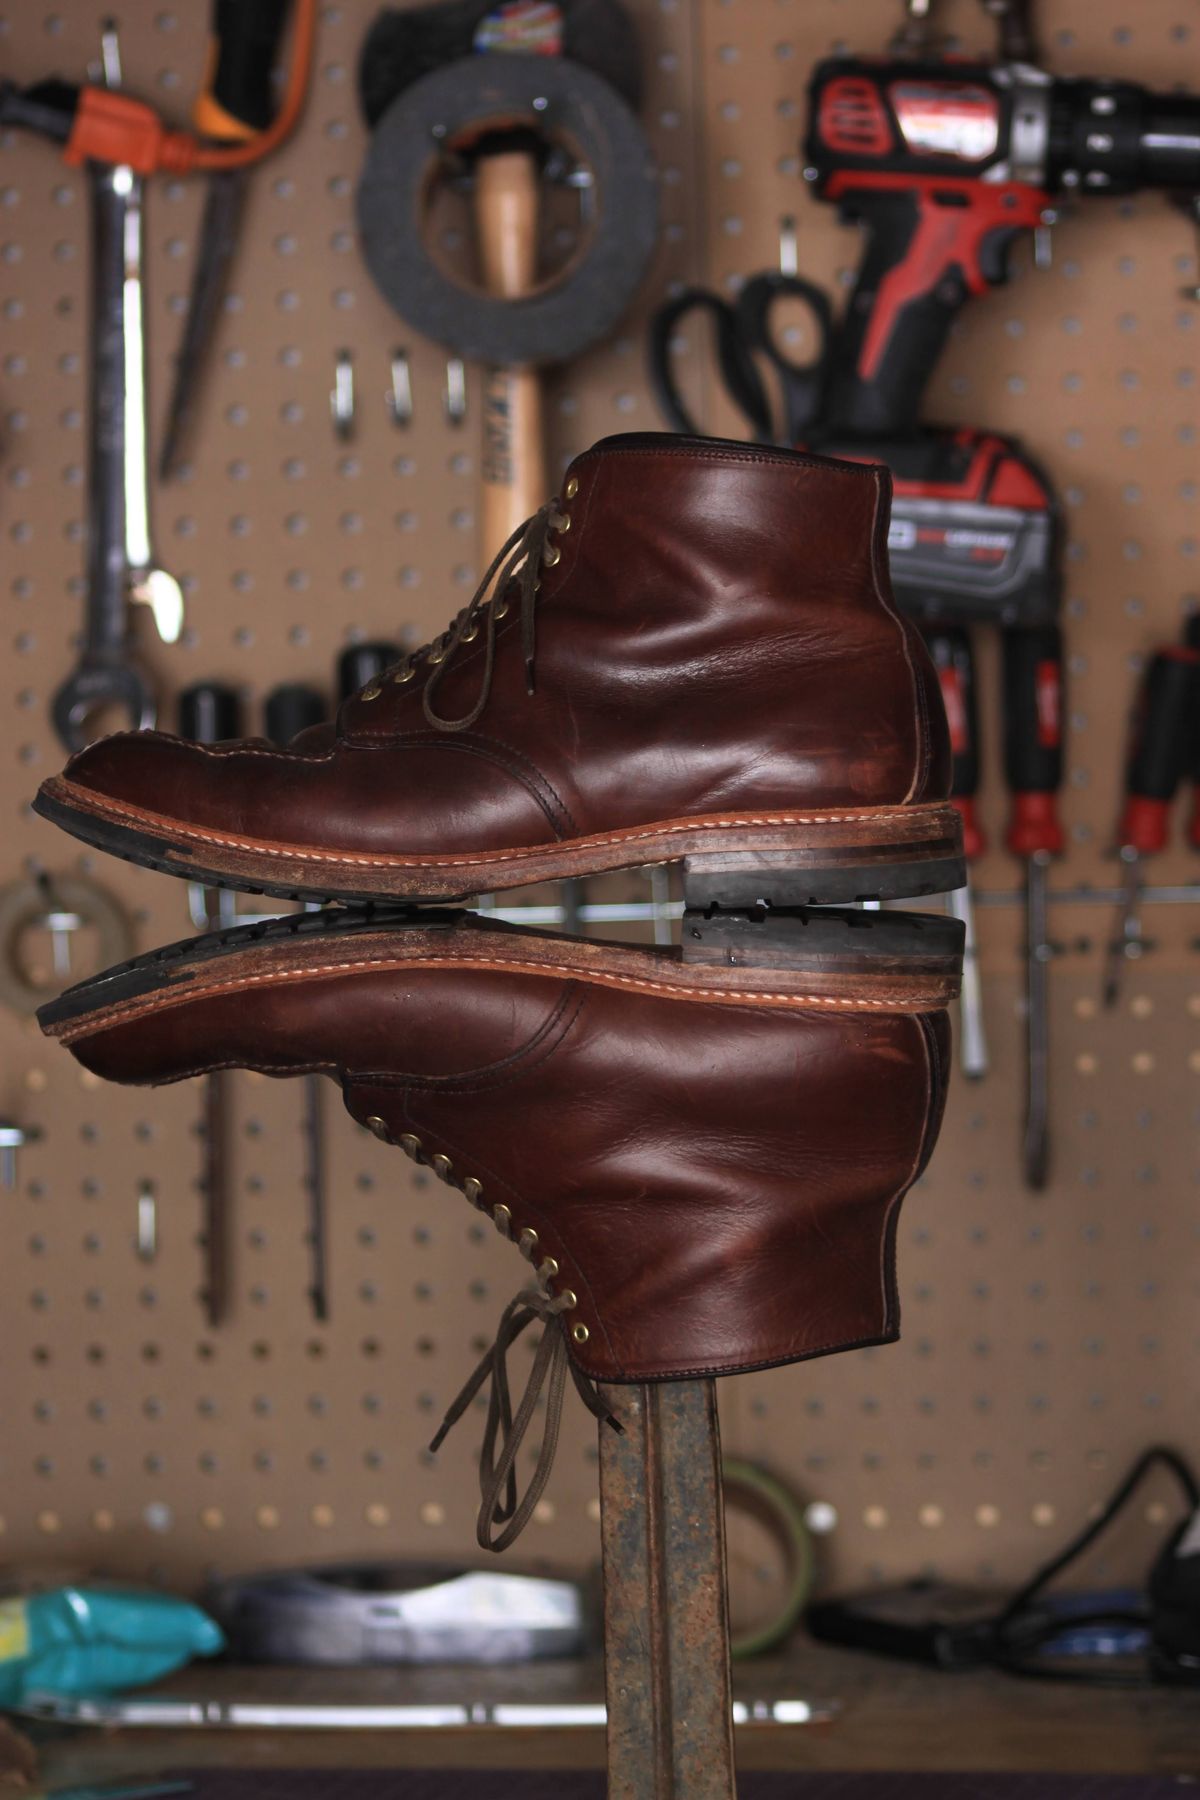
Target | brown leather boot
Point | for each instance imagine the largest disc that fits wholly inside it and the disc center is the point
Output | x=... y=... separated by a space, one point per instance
x=706 y=1154
x=701 y=1156
x=692 y=653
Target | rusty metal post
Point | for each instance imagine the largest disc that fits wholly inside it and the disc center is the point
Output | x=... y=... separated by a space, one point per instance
x=666 y=1614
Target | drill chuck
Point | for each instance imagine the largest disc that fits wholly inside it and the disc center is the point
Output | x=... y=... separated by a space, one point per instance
x=1113 y=137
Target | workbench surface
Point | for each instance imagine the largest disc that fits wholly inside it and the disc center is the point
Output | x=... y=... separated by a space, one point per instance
x=890 y=1716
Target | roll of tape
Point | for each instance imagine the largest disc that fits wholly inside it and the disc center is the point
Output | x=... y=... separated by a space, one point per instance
x=754 y=1490
x=557 y=100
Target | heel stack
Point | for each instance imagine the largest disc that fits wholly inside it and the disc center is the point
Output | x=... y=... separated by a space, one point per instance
x=829 y=859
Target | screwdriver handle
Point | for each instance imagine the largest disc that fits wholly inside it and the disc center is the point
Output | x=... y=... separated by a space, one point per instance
x=209 y=712
x=1033 y=756
x=950 y=648
x=361 y=663
x=1161 y=745
x=236 y=102
x=291 y=709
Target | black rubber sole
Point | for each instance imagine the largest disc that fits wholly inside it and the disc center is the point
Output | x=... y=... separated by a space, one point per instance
x=852 y=942
x=146 y=851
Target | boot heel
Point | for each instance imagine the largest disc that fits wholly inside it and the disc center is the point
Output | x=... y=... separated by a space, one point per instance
x=747 y=878
x=888 y=952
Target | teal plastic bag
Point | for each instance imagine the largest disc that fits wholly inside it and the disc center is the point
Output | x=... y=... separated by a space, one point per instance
x=97 y=1641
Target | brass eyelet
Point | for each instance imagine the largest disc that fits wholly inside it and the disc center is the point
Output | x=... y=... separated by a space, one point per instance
x=403 y=675
x=528 y=1241
x=468 y=637
x=551 y=554
x=502 y=1216
x=473 y=1190
x=561 y=522
x=499 y=608
x=572 y=487
x=377 y=1126
x=436 y=657
x=410 y=1143
x=442 y=1166
x=370 y=693
x=549 y=1268
x=569 y=1299
x=580 y=1333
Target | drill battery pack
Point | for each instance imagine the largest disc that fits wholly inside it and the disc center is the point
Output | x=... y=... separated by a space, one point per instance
x=975 y=532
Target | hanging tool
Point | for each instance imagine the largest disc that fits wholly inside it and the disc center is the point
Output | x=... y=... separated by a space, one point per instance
x=65 y=907
x=234 y=107
x=291 y=709
x=945 y=163
x=1161 y=752
x=950 y=648
x=341 y=396
x=95 y=124
x=13 y=1137
x=742 y=332
x=502 y=91
x=209 y=713
x=400 y=396
x=1033 y=760
x=120 y=565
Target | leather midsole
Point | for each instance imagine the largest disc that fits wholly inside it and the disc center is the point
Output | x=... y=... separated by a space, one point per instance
x=818 y=839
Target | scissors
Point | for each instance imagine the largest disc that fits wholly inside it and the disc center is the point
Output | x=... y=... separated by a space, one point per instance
x=743 y=330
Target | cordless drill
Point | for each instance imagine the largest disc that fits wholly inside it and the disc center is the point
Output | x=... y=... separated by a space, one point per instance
x=945 y=163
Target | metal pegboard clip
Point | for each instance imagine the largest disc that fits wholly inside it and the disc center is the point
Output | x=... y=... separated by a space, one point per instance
x=341 y=398
x=456 y=390
x=400 y=400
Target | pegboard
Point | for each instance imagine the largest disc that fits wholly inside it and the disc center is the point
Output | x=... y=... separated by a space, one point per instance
x=1046 y=1338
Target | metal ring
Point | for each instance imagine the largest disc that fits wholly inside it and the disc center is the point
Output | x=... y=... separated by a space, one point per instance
x=27 y=903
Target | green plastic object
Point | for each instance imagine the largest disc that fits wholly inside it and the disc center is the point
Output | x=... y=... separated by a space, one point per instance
x=756 y=1491
x=86 y=1641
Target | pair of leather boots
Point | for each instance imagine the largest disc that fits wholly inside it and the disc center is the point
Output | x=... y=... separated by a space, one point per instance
x=692 y=653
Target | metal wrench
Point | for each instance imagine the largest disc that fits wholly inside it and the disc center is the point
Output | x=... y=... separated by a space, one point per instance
x=120 y=566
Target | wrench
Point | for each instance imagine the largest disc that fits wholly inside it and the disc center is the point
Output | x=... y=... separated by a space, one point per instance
x=119 y=562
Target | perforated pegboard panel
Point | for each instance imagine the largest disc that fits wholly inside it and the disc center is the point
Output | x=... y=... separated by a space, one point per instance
x=1046 y=1339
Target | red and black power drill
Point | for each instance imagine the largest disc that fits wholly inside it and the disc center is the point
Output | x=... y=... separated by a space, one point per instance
x=945 y=163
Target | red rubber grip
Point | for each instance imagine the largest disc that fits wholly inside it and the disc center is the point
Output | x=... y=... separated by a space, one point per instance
x=1143 y=825
x=974 y=842
x=1034 y=825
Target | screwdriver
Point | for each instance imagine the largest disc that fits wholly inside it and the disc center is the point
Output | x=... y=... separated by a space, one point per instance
x=289 y=710
x=950 y=648
x=1033 y=759
x=209 y=712
x=235 y=104
x=1160 y=754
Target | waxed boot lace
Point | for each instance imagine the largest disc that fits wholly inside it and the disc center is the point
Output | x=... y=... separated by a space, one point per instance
x=551 y=1364
x=517 y=567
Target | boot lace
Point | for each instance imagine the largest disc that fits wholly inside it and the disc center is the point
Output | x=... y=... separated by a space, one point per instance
x=515 y=568
x=551 y=1364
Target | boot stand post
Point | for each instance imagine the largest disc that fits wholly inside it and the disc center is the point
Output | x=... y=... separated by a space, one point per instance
x=666 y=1614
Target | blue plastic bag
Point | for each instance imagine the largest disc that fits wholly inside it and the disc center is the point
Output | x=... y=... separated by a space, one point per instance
x=97 y=1641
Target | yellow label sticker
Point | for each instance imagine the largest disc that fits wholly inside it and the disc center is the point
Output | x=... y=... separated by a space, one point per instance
x=14 y=1630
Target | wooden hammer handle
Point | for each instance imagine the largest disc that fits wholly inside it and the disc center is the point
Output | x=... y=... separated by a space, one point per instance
x=514 y=471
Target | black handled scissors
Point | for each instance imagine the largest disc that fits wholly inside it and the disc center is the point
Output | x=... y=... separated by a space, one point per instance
x=743 y=329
